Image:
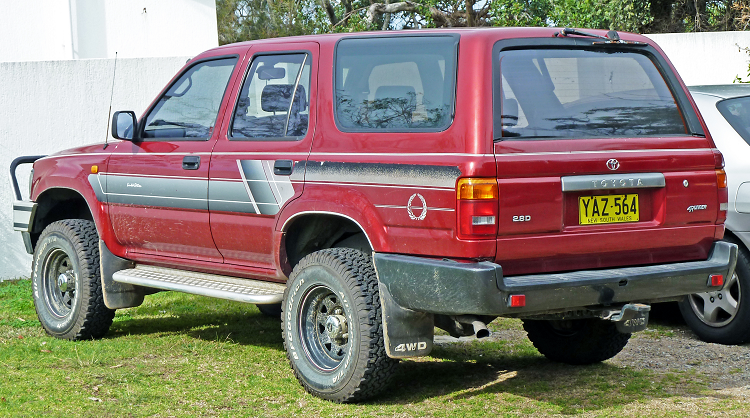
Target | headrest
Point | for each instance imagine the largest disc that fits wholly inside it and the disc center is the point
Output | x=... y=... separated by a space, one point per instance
x=276 y=97
x=395 y=92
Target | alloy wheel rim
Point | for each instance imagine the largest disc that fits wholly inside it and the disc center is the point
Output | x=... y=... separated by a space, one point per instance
x=59 y=283
x=324 y=328
x=717 y=309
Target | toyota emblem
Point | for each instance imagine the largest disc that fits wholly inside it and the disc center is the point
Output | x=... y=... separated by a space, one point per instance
x=613 y=164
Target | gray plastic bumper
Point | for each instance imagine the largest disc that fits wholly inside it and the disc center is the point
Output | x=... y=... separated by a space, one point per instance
x=453 y=288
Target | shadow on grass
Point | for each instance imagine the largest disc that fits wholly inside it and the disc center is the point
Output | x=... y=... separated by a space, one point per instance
x=466 y=371
x=527 y=376
x=246 y=328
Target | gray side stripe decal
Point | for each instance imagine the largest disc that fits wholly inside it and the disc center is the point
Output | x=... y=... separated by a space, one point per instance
x=268 y=190
x=99 y=184
x=151 y=191
x=400 y=174
x=260 y=191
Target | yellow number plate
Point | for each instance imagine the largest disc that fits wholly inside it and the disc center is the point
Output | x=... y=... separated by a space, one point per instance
x=609 y=209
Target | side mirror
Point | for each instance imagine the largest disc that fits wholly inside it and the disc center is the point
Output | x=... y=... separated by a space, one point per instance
x=124 y=125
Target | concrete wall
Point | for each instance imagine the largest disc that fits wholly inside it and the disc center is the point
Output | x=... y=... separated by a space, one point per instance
x=45 y=30
x=706 y=58
x=48 y=106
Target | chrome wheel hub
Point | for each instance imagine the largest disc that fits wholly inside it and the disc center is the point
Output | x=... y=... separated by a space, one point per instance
x=337 y=328
x=65 y=281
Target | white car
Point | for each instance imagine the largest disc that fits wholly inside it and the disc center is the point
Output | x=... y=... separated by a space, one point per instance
x=724 y=316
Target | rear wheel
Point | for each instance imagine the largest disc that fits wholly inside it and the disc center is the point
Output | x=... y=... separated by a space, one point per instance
x=722 y=316
x=67 y=283
x=331 y=325
x=580 y=341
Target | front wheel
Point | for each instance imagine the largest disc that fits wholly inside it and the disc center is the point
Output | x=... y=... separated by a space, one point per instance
x=579 y=341
x=66 y=281
x=722 y=316
x=332 y=327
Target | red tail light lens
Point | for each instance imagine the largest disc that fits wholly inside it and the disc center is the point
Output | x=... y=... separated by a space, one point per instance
x=477 y=204
x=718 y=159
x=721 y=182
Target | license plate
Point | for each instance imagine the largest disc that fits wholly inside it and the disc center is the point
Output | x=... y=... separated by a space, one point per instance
x=609 y=209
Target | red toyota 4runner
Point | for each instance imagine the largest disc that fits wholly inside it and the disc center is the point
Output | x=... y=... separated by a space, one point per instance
x=370 y=187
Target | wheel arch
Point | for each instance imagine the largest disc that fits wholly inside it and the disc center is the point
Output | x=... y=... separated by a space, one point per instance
x=309 y=231
x=736 y=238
x=58 y=203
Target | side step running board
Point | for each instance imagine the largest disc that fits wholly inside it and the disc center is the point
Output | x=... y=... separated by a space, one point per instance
x=212 y=285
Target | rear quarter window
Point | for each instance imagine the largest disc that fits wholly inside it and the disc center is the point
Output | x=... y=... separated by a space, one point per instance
x=737 y=112
x=395 y=84
x=574 y=93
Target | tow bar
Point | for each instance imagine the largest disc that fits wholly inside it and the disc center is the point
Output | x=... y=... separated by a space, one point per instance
x=633 y=317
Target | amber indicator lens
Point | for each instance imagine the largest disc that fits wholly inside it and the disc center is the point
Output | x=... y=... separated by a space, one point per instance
x=477 y=189
x=94 y=169
x=721 y=179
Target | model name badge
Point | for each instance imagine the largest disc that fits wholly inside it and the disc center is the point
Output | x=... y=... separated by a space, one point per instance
x=612 y=183
x=134 y=185
x=696 y=207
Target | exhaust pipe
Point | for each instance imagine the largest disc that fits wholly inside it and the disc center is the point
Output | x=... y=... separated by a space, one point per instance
x=480 y=328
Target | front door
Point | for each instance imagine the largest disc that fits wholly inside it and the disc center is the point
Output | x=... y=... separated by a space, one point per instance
x=157 y=187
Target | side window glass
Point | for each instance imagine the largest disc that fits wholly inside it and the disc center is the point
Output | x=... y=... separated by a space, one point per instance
x=190 y=107
x=274 y=102
x=399 y=84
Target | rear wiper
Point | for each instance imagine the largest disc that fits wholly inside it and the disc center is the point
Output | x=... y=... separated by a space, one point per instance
x=612 y=38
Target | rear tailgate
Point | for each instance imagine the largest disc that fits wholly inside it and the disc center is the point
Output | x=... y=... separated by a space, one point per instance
x=601 y=162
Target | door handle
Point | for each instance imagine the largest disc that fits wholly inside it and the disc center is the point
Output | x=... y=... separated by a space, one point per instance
x=283 y=167
x=191 y=162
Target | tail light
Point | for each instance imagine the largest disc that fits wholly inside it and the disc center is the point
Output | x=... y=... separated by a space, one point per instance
x=721 y=182
x=477 y=203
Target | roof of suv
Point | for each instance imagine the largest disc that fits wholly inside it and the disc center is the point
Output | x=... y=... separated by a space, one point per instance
x=511 y=32
x=724 y=91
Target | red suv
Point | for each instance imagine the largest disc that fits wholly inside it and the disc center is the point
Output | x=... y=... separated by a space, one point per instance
x=369 y=187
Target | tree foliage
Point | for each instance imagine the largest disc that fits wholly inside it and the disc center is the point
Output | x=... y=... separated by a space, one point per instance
x=254 y=19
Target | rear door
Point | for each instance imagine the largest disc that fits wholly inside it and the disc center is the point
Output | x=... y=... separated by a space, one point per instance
x=601 y=159
x=258 y=163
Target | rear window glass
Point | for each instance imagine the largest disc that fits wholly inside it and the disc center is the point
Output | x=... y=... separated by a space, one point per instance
x=399 y=84
x=737 y=112
x=566 y=93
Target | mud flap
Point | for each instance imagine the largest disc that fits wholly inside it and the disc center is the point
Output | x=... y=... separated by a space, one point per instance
x=407 y=333
x=632 y=318
x=117 y=295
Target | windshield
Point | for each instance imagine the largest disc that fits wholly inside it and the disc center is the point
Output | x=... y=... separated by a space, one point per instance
x=573 y=93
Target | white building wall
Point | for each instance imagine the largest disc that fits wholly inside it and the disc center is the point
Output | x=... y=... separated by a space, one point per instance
x=44 y=30
x=49 y=106
x=707 y=57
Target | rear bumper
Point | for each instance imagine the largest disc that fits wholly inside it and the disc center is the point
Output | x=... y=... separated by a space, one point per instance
x=453 y=288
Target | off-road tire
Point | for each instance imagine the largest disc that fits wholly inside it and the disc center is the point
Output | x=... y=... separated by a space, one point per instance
x=272 y=310
x=71 y=309
x=336 y=280
x=580 y=341
x=725 y=328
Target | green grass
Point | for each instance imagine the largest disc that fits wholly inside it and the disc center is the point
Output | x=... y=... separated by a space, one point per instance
x=183 y=355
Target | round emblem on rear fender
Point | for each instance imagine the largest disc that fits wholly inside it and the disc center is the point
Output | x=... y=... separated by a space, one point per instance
x=613 y=164
x=423 y=208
